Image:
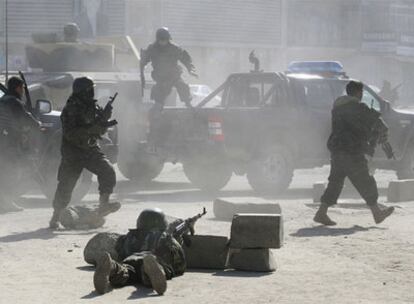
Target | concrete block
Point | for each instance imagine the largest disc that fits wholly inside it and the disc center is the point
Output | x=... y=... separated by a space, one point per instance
x=206 y=252
x=100 y=243
x=256 y=231
x=225 y=209
x=401 y=190
x=260 y=260
x=318 y=190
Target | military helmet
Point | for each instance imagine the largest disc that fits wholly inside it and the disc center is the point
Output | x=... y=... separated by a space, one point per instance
x=163 y=34
x=152 y=219
x=82 y=85
x=71 y=32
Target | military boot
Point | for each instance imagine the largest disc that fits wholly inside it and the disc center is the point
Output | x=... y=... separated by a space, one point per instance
x=155 y=273
x=380 y=214
x=105 y=207
x=322 y=217
x=108 y=273
x=54 y=221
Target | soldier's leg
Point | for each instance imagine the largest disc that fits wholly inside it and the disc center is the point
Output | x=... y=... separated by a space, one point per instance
x=148 y=271
x=183 y=90
x=359 y=175
x=330 y=196
x=68 y=174
x=99 y=165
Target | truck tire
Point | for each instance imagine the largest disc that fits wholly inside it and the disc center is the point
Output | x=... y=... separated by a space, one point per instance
x=405 y=168
x=207 y=176
x=272 y=172
x=142 y=168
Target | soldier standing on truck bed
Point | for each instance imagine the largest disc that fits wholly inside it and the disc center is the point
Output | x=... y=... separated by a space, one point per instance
x=15 y=125
x=353 y=124
x=164 y=56
x=83 y=123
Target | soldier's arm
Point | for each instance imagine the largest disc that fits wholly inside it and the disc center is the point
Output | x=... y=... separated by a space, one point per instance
x=26 y=119
x=145 y=58
x=186 y=60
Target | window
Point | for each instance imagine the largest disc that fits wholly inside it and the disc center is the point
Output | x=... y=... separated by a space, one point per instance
x=243 y=93
x=371 y=101
x=318 y=94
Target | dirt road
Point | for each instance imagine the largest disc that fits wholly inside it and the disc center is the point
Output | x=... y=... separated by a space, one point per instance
x=354 y=262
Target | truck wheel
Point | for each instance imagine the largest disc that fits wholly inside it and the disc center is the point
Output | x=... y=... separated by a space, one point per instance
x=142 y=168
x=207 y=176
x=405 y=168
x=272 y=172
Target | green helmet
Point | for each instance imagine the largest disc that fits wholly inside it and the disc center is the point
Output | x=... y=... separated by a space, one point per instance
x=163 y=34
x=71 y=32
x=152 y=219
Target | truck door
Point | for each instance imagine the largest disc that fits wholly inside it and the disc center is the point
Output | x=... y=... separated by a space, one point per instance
x=317 y=101
x=242 y=120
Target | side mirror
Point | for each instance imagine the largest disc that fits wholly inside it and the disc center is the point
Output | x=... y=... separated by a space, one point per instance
x=43 y=106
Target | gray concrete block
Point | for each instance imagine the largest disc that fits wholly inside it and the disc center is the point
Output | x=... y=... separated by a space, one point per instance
x=401 y=190
x=100 y=243
x=260 y=260
x=256 y=231
x=318 y=190
x=206 y=252
x=225 y=209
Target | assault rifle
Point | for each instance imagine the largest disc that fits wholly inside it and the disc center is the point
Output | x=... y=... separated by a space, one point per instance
x=106 y=113
x=28 y=105
x=186 y=226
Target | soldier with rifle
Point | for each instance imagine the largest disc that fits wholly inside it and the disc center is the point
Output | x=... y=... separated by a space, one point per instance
x=83 y=124
x=150 y=255
x=354 y=125
x=17 y=125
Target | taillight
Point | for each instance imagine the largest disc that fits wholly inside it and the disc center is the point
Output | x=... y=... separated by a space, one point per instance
x=215 y=128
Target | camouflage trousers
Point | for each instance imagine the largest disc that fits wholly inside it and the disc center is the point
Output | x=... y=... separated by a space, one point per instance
x=355 y=167
x=70 y=170
x=163 y=87
x=130 y=271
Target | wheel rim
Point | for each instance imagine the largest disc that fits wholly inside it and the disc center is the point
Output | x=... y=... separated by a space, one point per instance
x=273 y=167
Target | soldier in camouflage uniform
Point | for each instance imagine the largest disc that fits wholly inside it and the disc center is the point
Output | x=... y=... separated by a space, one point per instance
x=16 y=126
x=82 y=126
x=150 y=256
x=353 y=125
x=164 y=56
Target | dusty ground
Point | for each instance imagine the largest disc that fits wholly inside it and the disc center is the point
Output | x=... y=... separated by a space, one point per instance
x=355 y=262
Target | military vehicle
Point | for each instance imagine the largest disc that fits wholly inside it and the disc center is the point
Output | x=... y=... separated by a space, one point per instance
x=268 y=125
x=113 y=63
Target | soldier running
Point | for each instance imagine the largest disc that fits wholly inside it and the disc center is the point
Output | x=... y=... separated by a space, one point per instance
x=82 y=127
x=150 y=256
x=164 y=56
x=353 y=124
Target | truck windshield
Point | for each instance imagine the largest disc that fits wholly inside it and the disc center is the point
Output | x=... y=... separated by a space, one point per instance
x=244 y=93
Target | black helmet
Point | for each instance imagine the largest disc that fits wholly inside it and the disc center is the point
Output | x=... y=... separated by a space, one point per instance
x=163 y=34
x=82 y=85
x=71 y=32
x=152 y=219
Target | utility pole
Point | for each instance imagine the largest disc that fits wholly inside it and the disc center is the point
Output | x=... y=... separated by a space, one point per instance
x=6 y=41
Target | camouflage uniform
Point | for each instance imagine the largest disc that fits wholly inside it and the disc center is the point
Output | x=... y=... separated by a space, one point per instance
x=352 y=128
x=167 y=72
x=80 y=150
x=16 y=124
x=134 y=246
